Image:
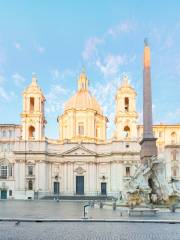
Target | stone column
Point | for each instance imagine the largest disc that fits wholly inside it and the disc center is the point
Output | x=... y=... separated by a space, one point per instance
x=148 y=143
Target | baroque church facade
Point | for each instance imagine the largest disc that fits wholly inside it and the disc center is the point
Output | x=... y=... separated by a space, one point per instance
x=82 y=161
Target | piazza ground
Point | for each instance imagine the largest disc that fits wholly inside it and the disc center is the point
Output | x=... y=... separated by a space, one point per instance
x=50 y=209
x=81 y=230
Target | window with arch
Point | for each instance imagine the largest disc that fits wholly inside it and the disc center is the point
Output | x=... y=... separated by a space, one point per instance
x=126 y=104
x=30 y=185
x=3 y=172
x=30 y=170
x=31 y=104
x=31 y=132
x=173 y=138
x=127 y=131
x=128 y=171
x=6 y=170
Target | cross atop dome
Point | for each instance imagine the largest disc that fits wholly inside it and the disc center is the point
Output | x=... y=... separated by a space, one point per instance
x=83 y=81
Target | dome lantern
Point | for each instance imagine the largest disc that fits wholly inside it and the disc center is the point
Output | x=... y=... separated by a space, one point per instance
x=83 y=81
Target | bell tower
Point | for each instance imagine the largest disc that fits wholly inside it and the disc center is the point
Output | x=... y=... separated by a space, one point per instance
x=126 y=115
x=33 y=119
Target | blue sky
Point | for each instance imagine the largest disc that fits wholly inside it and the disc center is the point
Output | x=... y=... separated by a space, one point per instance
x=54 y=39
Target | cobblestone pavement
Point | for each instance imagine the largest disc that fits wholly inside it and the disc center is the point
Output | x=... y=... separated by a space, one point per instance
x=89 y=231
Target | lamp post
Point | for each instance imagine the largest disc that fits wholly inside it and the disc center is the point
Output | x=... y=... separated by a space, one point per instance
x=85 y=206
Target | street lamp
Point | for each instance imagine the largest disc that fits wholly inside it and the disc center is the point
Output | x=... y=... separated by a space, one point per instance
x=85 y=212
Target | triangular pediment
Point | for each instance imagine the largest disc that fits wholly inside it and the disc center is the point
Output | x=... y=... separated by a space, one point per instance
x=78 y=150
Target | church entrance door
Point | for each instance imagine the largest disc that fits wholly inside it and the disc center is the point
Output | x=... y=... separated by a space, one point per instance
x=3 y=194
x=103 y=188
x=79 y=185
x=56 y=188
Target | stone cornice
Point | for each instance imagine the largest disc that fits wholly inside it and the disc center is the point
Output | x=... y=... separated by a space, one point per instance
x=172 y=146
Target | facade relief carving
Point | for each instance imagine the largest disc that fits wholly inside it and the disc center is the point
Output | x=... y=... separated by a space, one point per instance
x=79 y=170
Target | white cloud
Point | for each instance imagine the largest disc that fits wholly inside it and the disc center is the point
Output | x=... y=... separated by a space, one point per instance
x=110 y=66
x=91 y=47
x=133 y=58
x=123 y=27
x=173 y=116
x=2 y=79
x=18 y=79
x=40 y=49
x=58 y=74
x=2 y=56
x=105 y=93
x=4 y=94
x=55 y=99
x=168 y=42
x=177 y=68
x=55 y=73
x=18 y=46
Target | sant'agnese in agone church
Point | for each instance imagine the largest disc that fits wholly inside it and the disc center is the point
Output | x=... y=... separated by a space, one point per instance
x=82 y=161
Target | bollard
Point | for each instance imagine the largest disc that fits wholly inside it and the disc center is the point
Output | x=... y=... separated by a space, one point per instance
x=114 y=206
x=173 y=208
x=131 y=206
x=101 y=204
x=151 y=206
x=92 y=204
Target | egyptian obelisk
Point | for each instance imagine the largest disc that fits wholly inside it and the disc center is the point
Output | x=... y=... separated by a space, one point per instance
x=148 y=143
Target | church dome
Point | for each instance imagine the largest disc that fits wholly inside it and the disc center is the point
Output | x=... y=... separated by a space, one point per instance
x=83 y=98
